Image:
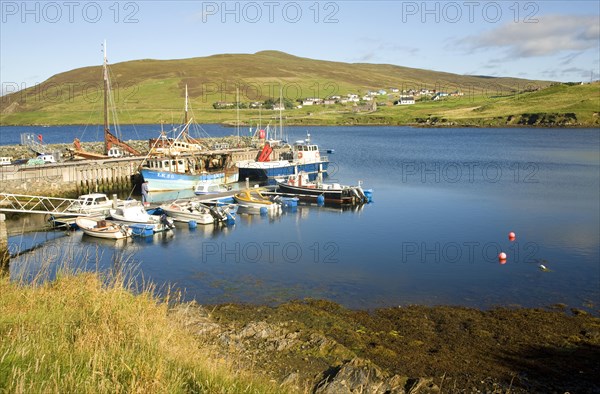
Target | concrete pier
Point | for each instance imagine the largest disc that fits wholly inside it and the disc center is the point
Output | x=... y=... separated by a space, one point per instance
x=4 y=254
x=73 y=178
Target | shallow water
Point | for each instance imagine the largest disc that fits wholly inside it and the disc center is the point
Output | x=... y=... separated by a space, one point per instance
x=445 y=200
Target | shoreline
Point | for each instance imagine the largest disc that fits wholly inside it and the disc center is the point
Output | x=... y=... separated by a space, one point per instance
x=497 y=350
x=345 y=124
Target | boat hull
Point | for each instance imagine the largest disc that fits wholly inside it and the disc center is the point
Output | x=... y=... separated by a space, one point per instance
x=263 y=172
x=107 y=230
x=162 y=181
x=181 y=214
x=335 y=196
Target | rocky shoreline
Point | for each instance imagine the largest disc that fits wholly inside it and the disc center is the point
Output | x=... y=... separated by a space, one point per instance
x=321 y=347
x=22 y=152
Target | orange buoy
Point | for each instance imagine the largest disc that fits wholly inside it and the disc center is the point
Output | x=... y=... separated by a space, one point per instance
x=512 y=236
x=502 y=256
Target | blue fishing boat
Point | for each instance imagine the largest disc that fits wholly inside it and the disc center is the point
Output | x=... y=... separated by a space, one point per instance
x=182 y=163
x=304 y=156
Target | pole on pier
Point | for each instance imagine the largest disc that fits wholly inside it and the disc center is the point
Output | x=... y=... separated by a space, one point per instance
x=4 y=255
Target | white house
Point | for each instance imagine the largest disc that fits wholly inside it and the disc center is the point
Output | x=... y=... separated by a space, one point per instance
x=406 y=100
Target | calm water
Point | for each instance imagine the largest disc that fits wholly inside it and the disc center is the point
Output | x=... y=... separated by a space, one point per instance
x=445 y=200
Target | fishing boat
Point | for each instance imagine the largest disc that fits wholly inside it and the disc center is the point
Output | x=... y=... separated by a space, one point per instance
x=132 y=212
x=300 y=185
x=182 y=162
x=304 y=156
x=253 y=201
x=101 y=228
x=113 y=146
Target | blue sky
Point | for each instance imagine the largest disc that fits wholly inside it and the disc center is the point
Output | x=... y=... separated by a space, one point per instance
x=550 y=40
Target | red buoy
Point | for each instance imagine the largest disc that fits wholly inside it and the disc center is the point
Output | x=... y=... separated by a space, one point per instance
x=502 y=257
x=512 y=236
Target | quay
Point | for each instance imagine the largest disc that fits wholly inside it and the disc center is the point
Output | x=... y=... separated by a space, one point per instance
x=72 y=178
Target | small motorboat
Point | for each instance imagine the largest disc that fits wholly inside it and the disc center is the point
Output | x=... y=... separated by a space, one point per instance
x=253 y=201
x=91 y=204
x=188 y=210
x=101 y=228
x=133 y=212
x=299 y=185
x=206 y=188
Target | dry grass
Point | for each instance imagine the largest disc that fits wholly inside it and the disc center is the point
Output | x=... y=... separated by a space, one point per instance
x=86 y=333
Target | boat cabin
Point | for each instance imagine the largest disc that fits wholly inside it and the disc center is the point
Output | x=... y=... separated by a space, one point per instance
x=5 y=161
x=305 y=152
x=178 y=165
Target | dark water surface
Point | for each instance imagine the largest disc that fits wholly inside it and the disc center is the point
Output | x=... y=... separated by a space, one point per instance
x=445 y=200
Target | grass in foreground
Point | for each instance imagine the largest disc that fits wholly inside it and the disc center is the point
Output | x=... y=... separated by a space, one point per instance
x=79 y=335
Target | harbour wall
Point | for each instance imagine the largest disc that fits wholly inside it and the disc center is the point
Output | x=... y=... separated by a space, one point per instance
x=72 y=178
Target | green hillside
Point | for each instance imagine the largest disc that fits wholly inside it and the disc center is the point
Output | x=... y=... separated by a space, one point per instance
x=150 y=91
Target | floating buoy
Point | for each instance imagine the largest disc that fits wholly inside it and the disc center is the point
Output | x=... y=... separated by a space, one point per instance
x=543 y=267
x=192 y=224
x=512 y=236
x=321 y=200
x=502 y=257
x=263 y=210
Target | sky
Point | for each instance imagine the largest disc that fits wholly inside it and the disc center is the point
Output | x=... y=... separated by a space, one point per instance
x=545 y=40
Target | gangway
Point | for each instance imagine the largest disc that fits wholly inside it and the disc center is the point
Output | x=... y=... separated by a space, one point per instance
x=54 y=206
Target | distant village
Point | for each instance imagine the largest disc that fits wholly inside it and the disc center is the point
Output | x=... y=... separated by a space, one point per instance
x=368 y=101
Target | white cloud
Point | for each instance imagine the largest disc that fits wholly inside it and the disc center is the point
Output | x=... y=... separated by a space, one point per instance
x=550 y=35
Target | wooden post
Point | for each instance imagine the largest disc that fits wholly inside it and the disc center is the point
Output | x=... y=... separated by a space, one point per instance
x=4 y=255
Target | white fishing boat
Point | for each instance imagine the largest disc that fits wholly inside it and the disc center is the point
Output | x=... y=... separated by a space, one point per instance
x=101 y=228
x=133 y=212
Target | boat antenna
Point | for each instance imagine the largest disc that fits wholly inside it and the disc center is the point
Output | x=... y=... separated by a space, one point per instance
x=105 y=77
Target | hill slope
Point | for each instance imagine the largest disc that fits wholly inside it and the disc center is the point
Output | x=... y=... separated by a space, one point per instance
x=148 y=91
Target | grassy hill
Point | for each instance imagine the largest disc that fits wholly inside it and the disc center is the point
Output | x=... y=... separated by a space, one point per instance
x=148 y=91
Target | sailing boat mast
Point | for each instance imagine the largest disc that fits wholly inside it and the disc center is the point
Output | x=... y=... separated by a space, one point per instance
x=185 y=117
x=280 y=120
x=106 y=126
x=237 y=94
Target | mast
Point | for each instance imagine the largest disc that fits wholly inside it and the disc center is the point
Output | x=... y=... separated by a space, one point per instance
x=237 y=94
x=185 y=115
x=280 y=110
x=106 y=126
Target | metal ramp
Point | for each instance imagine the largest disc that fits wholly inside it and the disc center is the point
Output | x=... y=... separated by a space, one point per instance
x=54 y=206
